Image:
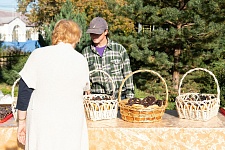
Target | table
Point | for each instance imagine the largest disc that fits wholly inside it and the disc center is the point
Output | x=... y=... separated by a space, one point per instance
x=8 y=136
x=171 y=133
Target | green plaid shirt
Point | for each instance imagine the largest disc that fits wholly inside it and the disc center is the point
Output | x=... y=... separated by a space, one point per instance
x=115 y=61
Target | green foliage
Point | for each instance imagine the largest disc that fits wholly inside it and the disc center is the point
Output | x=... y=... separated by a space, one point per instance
x=195 y=30
x=219 y=69
x=195 y=27
x=140 y=93
x=199 y=82
x=11 y=74
x=68 y=11
x=7 y=89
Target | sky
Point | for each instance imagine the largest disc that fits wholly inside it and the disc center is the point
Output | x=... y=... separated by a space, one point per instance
x=9 y=5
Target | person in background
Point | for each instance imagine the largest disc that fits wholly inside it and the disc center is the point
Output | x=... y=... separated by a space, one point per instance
x=50 y=100
x=109 y=56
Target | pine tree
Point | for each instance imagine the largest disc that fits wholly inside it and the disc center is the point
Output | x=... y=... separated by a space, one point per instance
x=182 y=35
x=11 y=73
x=68 y=11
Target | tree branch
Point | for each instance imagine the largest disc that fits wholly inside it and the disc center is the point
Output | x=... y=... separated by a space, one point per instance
x=188 y=24
x=171 y=23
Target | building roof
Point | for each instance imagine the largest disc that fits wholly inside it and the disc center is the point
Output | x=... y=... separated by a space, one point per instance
x=8 y=16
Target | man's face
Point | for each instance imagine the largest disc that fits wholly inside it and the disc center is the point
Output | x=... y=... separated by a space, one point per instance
x=98 y=38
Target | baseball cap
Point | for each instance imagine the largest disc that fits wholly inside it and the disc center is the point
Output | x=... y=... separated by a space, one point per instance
x=97 y=26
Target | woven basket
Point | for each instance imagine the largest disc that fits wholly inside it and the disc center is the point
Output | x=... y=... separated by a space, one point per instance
x=7 y=110
x=14 y=110
x=139 y=113
x=197 y=106
x=101 y=109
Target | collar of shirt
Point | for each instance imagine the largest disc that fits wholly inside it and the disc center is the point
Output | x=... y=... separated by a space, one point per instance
x=109 y=46
x=62 y=43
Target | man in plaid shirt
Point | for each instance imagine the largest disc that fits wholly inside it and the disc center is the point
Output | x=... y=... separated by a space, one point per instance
x=109 y=56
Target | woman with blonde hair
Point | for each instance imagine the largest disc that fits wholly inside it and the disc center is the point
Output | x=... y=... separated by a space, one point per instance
x=50 y=101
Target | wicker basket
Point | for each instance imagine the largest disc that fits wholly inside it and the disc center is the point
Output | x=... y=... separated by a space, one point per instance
x=7 y=108
x=198 y=106
x=138 y=113
x=5 y=112
x=14 y=110
x=104 y=108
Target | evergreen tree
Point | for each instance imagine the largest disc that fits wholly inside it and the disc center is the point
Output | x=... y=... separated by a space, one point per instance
x=68 y=11
x=11 y=73
x=218 y=67
x=177 y=35
x=183 y=34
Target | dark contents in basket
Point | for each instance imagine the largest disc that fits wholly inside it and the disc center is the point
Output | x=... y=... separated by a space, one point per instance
x=201 y=97
x=147 y=101
x=5 y=111
x=101 y=98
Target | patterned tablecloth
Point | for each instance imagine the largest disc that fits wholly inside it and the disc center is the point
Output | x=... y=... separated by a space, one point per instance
x=171 y=133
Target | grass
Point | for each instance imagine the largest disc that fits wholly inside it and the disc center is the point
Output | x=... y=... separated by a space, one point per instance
x=6 y=89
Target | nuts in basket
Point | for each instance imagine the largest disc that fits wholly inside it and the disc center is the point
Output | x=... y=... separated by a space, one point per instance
x=5 y=106
x=99 y=102
x=100 y=106
x=148 y=109
x=197 y=106
x=5 y=110
x=200 y=97
x=105 y=97
x=199 y=101
x=146 y=102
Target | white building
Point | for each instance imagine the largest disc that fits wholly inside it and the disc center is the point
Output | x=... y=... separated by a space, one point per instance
x=15 y=27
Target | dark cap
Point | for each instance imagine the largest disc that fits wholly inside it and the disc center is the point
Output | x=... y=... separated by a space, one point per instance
x=97 y=26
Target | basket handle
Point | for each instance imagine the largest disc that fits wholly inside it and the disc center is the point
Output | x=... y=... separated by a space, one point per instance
x=110 y=78
x=202 y=69
x=13 y=105
x=137 y=71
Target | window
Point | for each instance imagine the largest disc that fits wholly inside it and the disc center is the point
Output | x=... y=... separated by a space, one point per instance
x=15 y=36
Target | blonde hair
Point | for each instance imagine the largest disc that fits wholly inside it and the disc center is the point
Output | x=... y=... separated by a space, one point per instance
x=66 y=31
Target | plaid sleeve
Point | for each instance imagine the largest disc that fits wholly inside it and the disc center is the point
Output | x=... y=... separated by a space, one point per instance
x=126 y=71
